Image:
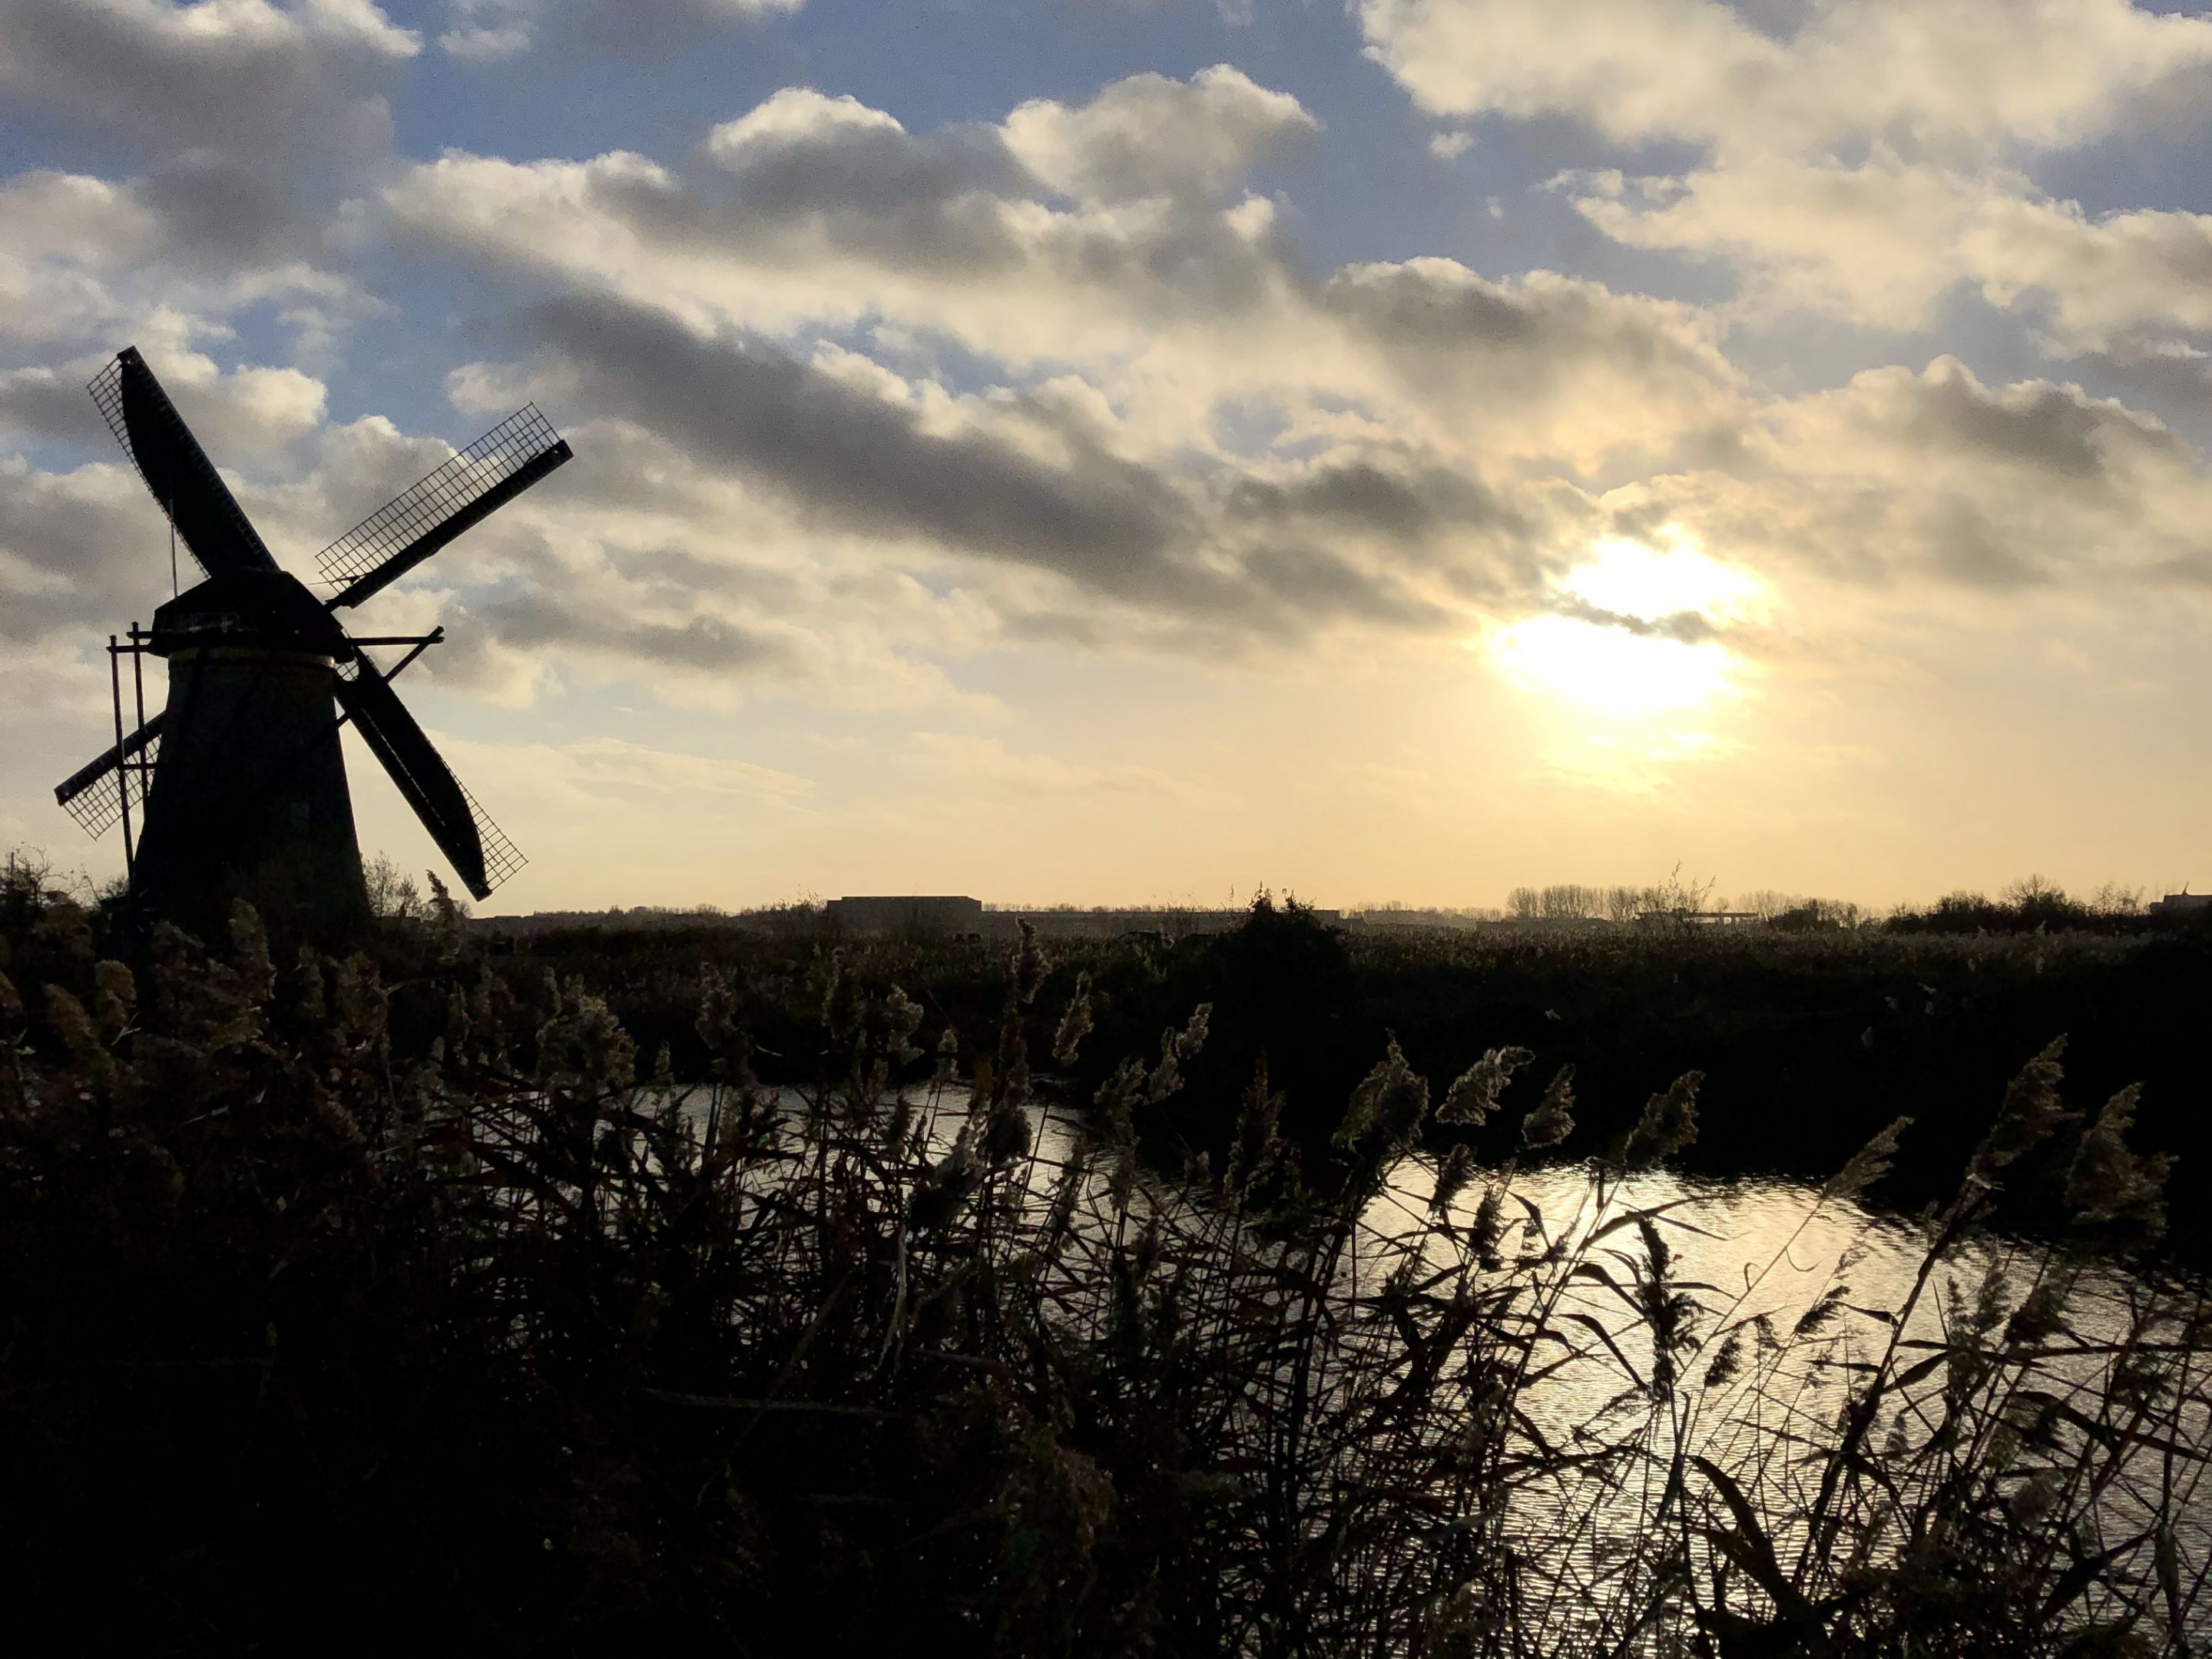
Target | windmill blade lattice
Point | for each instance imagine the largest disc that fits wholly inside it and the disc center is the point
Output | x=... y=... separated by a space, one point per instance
x=93 y=794
x=223 y=766
x=399 y=536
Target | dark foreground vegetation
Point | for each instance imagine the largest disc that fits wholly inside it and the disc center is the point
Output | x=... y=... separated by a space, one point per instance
x=1809 y=1042
x=402 y=1303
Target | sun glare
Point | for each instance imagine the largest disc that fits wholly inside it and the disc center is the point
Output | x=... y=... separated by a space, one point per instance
x=1610 y=668
x=1631 y=580
x=1632 y=645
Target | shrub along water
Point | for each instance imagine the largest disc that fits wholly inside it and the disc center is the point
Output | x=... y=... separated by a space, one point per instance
x=314 y=1340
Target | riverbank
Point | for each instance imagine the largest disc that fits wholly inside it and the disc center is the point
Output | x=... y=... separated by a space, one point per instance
x=1808 y=1043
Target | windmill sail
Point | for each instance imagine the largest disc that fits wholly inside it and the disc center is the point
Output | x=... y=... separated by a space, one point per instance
x=479 y=850
x=399 y=536
x=93 y=793
x=176 y=469
x=250 y=791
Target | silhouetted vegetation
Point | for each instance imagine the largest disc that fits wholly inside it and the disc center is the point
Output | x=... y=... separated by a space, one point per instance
x=322 y=1334
x=2030 y=905
x=1811 y=1038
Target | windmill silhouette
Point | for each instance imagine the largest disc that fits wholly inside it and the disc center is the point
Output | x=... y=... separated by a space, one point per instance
x=239 y=781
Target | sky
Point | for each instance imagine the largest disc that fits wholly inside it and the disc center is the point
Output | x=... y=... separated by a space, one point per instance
x=1140 y=451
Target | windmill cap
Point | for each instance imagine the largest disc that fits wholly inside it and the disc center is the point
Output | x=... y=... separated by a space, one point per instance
x=246 y=607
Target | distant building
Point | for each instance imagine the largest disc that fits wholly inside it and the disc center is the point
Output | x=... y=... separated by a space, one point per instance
x=2181 y=904
x=929 y=917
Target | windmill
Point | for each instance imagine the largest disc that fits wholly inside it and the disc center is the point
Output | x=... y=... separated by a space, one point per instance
x=240 y=782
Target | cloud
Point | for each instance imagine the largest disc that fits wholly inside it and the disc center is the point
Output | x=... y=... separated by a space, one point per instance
x=160 y=260
x=1878 y=243
x=1914 y=485
x=1243 y=457
x=1947 y=80
x=865 y=462
x=77 y=551
x=817 y=212
x=1150 y=137
x=1863 y=161
x=240 y=127
x=2098 y=279
x=222 y=73
x=1882 y=242
x=812 y=207
x=237 y=414
x=1590 y=368
x=493 y=31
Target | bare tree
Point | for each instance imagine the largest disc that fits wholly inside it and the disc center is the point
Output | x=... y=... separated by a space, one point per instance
x=393 y=894
x=1572 y=901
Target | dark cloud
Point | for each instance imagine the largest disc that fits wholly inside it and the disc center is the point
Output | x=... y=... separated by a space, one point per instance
x=1967 y=547
x=220 y=212
x=936 y=203
x=707 y=644
x=2174 y=382
x=2050 y=429
x=80 y=553
x=1688 y=627
x=1247 y=558
x=1311 y=582
x=1409 y=505
x=1438 y=319
x=144 y=74
x=50 y=405
x=674 y=575
x=847 y=458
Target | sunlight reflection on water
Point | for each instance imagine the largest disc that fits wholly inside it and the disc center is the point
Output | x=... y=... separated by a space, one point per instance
x=1747 y=1247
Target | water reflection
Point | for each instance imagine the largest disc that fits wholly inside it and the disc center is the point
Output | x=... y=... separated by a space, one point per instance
x=1811 y=1288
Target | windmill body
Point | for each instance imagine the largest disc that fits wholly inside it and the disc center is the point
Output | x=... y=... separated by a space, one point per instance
x=248 y=798
x=240 y=782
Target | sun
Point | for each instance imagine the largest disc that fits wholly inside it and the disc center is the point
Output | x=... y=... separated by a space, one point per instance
x=1607 y=668
x=1635 y=632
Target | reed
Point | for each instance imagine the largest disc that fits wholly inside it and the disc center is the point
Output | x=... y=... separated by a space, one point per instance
x=315 y=1338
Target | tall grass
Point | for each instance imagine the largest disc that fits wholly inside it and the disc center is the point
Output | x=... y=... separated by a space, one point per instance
x=310 y=1341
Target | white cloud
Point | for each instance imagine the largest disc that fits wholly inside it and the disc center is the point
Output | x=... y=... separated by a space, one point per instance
x=1882 y=243
x=1878 y=243
x=1865 y=158
x=793 y=118
x=1152 y=136
x=1955 y=79
x=2099 y=279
